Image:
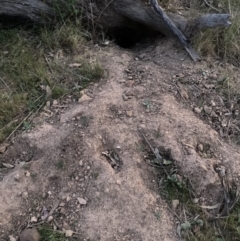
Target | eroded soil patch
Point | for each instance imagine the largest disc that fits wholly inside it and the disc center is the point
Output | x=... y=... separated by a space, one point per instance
x=95 y=200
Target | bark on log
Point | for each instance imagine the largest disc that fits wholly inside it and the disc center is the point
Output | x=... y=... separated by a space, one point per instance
x=110 y=14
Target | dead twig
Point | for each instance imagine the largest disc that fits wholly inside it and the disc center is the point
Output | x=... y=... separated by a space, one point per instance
x=156 y=153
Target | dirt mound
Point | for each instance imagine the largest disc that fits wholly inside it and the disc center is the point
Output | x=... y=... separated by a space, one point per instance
x=89 y=158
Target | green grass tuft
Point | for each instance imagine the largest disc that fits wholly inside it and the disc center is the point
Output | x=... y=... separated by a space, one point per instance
x=48 y=234
x=33 y=70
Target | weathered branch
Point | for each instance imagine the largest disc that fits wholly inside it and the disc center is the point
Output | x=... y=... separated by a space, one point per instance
x=175 y=31
x=116 y=13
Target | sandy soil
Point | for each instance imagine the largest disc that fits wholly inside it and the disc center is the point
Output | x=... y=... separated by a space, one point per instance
x=63 y=159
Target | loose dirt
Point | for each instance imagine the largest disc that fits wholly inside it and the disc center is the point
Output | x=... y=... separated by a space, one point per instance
x=64 y=159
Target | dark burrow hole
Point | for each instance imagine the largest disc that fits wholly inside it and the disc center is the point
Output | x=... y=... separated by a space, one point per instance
x=128 y=37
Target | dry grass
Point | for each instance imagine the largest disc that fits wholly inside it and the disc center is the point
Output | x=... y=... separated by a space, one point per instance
x=31 y=61
x=223 y=43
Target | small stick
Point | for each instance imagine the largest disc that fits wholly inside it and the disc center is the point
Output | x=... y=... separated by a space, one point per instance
x=154 y=152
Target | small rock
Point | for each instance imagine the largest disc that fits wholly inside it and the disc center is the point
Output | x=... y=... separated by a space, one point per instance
x=27 y=174
x=141 y=56
x=55 y=102
x=69 y=233
x=200 y=147
x=197 y=110
x=82 y=92
x=48 y=104
x=214 y=114
x=224 y=123
x=184 y=94
x=11 y=238
x=62 y=210
x=213 y=103
x=84 y=98
x=33 y=219
x=195 y=200
x=17 y=177
x=175 y=204
x=129 y=83
x=3 y=148
x=80 y=162
x=122 y=81
x=68 y=199
x=129 y=113
x=50 y=218
x=125 y=98
x=30 y=235
x=66 y=226
x=82 y=201
x=129 y=92
x=207 y=109
x=62 y=204
x=25 y=195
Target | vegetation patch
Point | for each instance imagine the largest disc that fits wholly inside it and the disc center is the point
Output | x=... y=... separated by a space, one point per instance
x=218 y=222
x=48 y=234
x=223 y=42
x=32 y=71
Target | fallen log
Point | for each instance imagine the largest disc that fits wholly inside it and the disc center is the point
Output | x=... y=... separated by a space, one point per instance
x=111 y=14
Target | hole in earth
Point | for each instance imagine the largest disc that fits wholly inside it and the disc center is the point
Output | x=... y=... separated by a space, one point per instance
x=128 y=37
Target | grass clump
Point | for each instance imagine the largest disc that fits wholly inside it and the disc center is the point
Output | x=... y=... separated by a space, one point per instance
x=222 y=42
x=48 y=234
x=195 y=222
x=33 y=70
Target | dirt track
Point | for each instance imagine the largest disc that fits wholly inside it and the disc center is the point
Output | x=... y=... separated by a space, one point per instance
x=153 y=90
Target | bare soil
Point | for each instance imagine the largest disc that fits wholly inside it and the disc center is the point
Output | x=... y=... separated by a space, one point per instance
x=154 y=88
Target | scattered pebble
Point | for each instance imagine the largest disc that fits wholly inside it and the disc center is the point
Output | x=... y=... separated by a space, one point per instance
x=33 y=219
x=69 y=233
x=17 y=177
x=48 y=104
x=129 y=113
x=82 y=201
x=207 y=109
x=125 y=98
x=84 y=98
x=62 y=204
x=195 y=200
x=27 y=174
x=25 y=195
x=11 y=238
x=30 y=235
x=197 y=110
x=50 y=218
x=175 y=204
x=200 y=147
x=55 y=102
x=66 y=226
x=3 y=148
